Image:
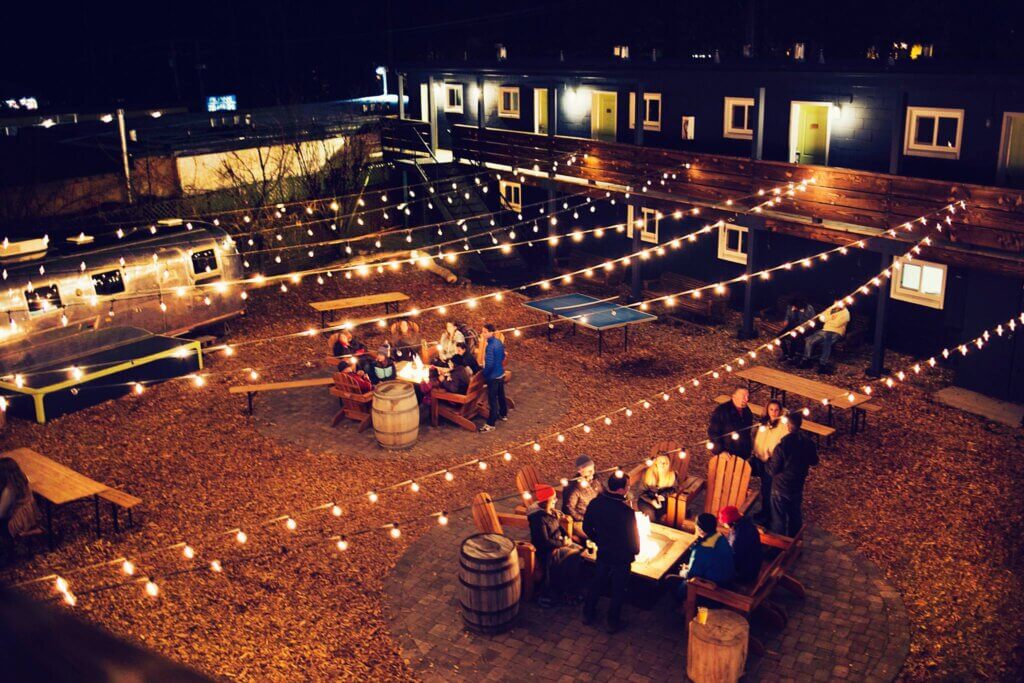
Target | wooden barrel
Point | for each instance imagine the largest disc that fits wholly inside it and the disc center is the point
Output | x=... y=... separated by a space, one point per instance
x=396 y=415
x=717 y=651
x=489 y=583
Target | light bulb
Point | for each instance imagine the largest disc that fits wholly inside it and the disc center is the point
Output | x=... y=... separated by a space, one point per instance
x=189 y=552
x=290 y=524
x=373 y=496
x=342 y=544
x=442 y=519
x=216 y=567
x=241 y=536
x=395 y=531
x=448 y=476
x=128 y=567
x=336 y=510
x=152 y=590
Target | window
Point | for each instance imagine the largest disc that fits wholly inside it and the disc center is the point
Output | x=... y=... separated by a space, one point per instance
x=42 y=299
x=204 y=263
x=508 y=103
x=108 y=283
x=511 y=195
x=647 y=221
x=453 y=98
x=933 y=132
x=919 y=282
x=652 y=110
x=732 y=243
x=739 y=118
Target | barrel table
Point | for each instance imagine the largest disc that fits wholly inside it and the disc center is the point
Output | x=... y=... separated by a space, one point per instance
x=717 y=651
x=489 y=583
x=396 y=415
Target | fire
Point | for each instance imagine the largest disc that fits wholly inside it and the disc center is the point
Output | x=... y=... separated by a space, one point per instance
x=649 y=548
x=415 y=371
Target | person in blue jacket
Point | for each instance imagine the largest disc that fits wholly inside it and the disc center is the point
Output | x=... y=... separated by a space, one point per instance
x=711 y=557
x=494 y=375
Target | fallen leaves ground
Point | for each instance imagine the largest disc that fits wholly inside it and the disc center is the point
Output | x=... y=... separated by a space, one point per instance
x=930 y=494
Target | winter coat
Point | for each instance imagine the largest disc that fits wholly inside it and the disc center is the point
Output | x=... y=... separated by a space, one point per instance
x=546 y=534
x=745 y=542
x=611 y=524
x=790 y=463
x=494 y=359
x=712 y=560
x=725 y=420
x=577 y=497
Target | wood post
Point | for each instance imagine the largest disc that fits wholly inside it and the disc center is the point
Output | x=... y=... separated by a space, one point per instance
x=401 y=96
x=755 y=226
x=432 y=112
x=899 y=114
x=552 y=207
x=757 y=139
x=877 y=367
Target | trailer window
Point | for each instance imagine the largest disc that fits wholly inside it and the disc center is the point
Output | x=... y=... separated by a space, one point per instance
x=108 y=283
x=42 y=299
x=204 y=263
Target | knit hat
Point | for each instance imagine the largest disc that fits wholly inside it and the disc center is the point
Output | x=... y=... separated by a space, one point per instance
x=730 y=514
x=384 y=350
x=584 y=461
x=707 y=523
x=543 y=492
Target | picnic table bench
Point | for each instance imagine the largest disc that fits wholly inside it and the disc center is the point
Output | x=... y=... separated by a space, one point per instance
x=782 y=383
x=816 y=428
x=707 y=305
x=251 y=389
x=386 y=298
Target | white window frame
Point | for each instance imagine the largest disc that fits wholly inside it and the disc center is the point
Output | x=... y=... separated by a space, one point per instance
x=507 y=187
x=1004 y=142
x=727 y=128
x=934 y=150
x=915 y=296
x=649 y=123
x=649 y=217
x=727 y=254
x=513 y=93
x=450 y=108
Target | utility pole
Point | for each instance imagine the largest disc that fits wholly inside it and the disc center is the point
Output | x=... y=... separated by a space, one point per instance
x=124 y=155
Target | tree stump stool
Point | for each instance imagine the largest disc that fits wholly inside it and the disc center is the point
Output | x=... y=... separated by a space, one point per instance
x=717 y=650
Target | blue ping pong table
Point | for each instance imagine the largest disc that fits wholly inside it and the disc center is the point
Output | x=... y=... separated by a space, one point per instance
x=594 y=314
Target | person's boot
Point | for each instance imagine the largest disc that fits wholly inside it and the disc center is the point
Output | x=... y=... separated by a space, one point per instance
x=804 y=362
x=825 y=369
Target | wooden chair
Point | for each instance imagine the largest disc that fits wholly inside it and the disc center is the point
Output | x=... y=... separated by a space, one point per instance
x=746 y=598
x=355 y=404
x=490 y=521
x=459 y=408
x=728 y=484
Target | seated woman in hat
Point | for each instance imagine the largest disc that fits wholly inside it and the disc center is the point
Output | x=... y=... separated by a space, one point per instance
x=383 y=367
x=558 y=556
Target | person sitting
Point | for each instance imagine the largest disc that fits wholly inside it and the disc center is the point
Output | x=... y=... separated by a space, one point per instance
x=446 y=346
x=711 y=557
x=766 y=437
x=19 y=515
x=343 y=346
x=834 y=322
x=359 y=376
x=406 y=339
x=465 y=358
x=659 y=482
x=558 y=557
x=611 y=523
x=798 y=312
x=383 y=367
x=577 y=495
x=454 y=380
x=730 y=424
x=745 y=541
x=790 y=463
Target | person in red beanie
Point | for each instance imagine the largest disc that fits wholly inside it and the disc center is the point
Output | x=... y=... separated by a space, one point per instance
x=745 y=541
x=558 y=556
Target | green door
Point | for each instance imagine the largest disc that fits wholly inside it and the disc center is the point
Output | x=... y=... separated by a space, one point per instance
x=812 y=134
x=1014 y=159
x=602 y=116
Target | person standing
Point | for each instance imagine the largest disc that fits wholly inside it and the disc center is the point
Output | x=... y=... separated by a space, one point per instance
x=730 y=425
x=494 y=375
x=611 y=523
x=766 y=437
x=834 y=322
x=789 y=465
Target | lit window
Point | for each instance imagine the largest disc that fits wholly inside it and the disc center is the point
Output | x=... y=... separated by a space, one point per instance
x=108 y=283
x=652 y=110
x=204 y=264
x=739 y=118
x=508 y=103
x=43 y=299
x=647 y=221
x=732 y=243
x=511 y=195
x=919 y=282
x=933 y=132
x=453 y=98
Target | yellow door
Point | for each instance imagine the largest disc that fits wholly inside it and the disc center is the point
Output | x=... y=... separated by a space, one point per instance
x=1014 y=159
x=812 y=134
x=540 y=110
x=602 y=116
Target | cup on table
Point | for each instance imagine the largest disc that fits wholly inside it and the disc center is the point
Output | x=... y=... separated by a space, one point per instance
x=702 y=615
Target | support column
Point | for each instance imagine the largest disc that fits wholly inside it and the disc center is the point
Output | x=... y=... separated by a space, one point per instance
x=877 y=367
x=480 y=110
x=551 y=230
x=401 y=96
x=755 y=227
x=552 y=111
x=638 y=116
x=638 y=140
x=899 y=115
x=405 y=182
x=757 y=139
x=432 y=112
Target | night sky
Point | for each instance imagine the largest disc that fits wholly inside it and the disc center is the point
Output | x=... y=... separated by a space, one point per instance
x=279 y=51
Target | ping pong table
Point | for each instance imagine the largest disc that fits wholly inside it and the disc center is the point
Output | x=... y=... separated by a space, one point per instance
x=591 y=313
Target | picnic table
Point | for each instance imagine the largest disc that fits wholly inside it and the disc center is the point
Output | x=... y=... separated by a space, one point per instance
x=782 y=383
x=591 y=313
x=386 y=298
x=56 y=484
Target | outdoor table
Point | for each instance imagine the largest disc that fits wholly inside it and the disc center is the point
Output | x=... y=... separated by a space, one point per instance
x=674 y=544
x=594 y=314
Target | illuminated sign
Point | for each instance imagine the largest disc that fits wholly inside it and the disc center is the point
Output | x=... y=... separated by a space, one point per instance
x=222 y=103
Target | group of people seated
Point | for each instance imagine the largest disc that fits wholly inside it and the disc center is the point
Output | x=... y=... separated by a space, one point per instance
x=801 y=350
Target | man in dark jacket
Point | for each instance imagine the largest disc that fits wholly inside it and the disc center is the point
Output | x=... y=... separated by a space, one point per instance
x=745 y=542
x=580 y=491
x=611 y=523
x=494 y=375
x=730 y=426
x=788 y=466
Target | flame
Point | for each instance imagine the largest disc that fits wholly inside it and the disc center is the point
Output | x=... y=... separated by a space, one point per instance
x=649 y=548
x=415 y=371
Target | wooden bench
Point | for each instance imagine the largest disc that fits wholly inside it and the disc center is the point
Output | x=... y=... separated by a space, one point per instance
x=708 y=305
x=817 y=429
x=862 y=413
x=856 y=333
x=745 y=599
x=120 y=500
x=386 y=298
x=251 y=389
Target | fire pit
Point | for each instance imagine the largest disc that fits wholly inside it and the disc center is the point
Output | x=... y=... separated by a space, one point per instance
x=413 y=371
x=660 y=548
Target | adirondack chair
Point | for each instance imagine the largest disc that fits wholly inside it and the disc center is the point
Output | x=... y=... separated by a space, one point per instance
x=527 y=479
x=414 y=327
x=746 y=598
x=728 y=484
x=490 y=521
x=458 y=408
x=355 y=404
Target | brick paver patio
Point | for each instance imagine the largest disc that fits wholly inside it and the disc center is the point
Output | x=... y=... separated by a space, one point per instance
x=851 y=626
